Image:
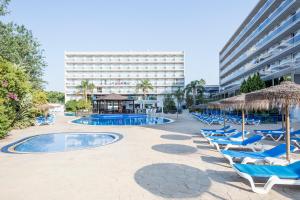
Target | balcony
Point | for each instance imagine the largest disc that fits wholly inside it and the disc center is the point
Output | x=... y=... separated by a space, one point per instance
x=268 y=21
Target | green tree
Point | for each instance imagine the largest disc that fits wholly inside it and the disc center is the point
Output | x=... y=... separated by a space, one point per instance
x=169 y=104
x=3 y=7
x=18 y=46
x=55 y=97
x=145 y=86
x=85 y=87
x=179 y=94
x=195 y=88
x=253 y=83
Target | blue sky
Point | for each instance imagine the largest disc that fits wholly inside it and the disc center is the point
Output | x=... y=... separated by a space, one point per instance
x=198 y=27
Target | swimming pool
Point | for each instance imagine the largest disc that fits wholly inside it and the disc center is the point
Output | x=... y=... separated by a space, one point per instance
x=59 y=142
x=121 y=120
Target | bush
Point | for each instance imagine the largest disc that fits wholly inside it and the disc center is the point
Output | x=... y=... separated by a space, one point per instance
x=73 y=105
x=83 y=105
x=15 y=98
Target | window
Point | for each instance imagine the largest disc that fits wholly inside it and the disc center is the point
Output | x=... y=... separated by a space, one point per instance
x=99 y=89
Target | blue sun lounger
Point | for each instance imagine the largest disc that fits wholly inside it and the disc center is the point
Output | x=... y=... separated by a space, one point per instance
x=222 y=133
x=282 y=175
x=233 y=137
x=266 y=130
x=252 y=157
x=247 y=143
x=278 y=135
x=214 y=130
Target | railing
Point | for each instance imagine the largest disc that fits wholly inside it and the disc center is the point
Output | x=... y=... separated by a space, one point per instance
x=259 y=29
x=292 y=42
x=253 y=20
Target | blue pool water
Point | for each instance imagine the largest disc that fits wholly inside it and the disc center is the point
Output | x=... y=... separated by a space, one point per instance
x=58 y=142
x=120 y=120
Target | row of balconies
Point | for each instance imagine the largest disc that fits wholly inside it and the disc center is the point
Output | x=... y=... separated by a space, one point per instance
x=259 y=45
x=247 y=27
x=285 y=45
x=119 y=69
x=123 y=62
x=80 y=76
x=277 y=12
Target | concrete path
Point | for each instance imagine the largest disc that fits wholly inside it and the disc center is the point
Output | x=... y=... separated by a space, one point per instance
x=152 y=162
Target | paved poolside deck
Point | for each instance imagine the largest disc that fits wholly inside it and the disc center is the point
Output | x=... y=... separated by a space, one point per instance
x=154 y=162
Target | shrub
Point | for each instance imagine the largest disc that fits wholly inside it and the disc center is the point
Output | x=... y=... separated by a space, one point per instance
x=15 y=101
x=71 y=106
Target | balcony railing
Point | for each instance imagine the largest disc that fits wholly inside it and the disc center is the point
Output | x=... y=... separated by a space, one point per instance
x=259 y=30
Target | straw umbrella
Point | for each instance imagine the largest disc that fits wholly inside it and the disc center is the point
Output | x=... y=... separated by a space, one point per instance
x=45 y=107
x=281 y=96
x=237 y=102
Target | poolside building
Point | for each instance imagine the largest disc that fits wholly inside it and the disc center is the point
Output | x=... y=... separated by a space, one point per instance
x=120 y=72
x=267 y=42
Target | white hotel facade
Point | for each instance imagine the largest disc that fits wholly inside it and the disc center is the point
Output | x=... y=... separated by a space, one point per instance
x=267 y=42
x=120 y=72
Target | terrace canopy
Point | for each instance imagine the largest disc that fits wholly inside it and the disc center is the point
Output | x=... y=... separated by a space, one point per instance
x=113 y=103
x=281 y=96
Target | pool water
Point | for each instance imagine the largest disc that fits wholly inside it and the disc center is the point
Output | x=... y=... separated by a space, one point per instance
x=59 y=142
x=120 y=120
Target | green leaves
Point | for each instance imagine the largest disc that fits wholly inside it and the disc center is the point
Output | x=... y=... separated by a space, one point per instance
x=145 y=86
x=73 y=105
x=14 y=91
x=85 y=87
x=3 y=7
x=18 y=46
x=253 y=83
x=195 y=90
x=55 y=97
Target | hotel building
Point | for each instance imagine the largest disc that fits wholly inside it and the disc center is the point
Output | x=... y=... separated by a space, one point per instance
x=267 y=42
x=120 y=72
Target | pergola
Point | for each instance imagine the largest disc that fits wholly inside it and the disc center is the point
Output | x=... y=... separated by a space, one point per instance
x=112 y=103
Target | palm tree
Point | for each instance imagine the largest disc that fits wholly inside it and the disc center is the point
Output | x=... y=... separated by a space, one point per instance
x=195 y=87
x=179 y=94
x=145 y=86
x=85 y=87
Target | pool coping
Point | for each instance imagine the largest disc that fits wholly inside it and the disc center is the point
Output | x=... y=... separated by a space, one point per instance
x=10 y=148
x=170 y=121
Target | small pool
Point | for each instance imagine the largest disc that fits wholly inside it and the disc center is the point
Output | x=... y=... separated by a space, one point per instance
x=59 y=142
x=121 y=120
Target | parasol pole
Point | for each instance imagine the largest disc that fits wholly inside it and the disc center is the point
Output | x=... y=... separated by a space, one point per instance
x=243 y=123
x=224 y=118
x=282 y=120
x=287 y=133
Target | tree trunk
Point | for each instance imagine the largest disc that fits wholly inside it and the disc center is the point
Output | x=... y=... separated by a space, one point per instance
x=194 y=98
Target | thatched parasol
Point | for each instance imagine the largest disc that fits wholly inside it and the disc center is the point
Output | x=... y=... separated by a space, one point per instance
x=45 y=107
x=281 y=96
x=236 y=102
x=214 y=104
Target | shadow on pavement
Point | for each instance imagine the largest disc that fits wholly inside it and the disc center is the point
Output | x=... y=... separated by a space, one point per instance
x=175 y=137
x=174 y=148
x=170 y=180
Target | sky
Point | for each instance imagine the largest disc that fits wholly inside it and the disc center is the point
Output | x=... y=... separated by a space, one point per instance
x=200 y=28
